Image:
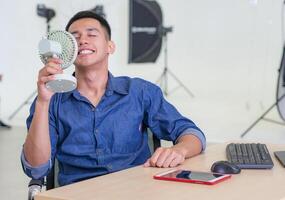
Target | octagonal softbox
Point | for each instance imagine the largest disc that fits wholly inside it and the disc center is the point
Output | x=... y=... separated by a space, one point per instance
x=145 y=38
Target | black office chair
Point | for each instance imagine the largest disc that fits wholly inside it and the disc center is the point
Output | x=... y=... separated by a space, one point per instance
x=50 y=181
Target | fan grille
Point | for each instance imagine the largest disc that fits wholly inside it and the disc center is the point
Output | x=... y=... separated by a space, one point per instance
x=68 y=45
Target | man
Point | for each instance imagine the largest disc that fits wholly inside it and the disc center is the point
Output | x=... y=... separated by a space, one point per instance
x=100 y=127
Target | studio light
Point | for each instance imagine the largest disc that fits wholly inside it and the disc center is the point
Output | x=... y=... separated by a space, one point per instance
x=45 y=12
x=99 y=9
x=146 y=36
x=145 y=31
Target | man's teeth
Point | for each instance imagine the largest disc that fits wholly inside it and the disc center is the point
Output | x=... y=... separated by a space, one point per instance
x=86 y=52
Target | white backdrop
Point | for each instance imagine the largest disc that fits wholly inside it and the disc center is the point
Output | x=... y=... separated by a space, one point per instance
x=226 y=52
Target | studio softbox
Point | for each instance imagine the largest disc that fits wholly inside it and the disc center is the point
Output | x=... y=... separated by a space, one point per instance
x=145 y=24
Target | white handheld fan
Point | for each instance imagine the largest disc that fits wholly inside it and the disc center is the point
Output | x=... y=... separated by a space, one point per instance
x=63 y=45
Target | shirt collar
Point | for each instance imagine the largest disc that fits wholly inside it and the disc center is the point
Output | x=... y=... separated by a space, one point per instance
x=114 y=84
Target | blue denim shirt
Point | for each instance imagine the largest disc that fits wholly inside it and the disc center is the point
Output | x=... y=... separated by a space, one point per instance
x=90 y=141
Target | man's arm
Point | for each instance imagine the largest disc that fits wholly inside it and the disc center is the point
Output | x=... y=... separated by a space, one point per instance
x=167 y=123
x=188 y=145
x=37 y=147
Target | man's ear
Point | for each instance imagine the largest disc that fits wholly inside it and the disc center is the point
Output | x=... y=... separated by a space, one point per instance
x=112 y=47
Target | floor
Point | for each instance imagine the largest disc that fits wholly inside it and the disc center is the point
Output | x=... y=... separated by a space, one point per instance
x=13 y=182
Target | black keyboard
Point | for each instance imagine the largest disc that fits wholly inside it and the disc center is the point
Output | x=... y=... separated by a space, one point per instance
x=249 y=155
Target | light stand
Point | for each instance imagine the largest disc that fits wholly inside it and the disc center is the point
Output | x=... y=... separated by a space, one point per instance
x=163 y=78
x=47 y=13
x=280 y=86
x=27 y=101
x=263 y=117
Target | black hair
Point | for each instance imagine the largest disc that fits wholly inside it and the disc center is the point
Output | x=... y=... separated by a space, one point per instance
x=90 y=14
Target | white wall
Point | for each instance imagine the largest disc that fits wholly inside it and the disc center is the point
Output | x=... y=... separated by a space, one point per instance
x=226 y=52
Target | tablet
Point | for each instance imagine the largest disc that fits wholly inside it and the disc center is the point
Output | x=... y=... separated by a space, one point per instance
x=280 y=155
x=188 y=176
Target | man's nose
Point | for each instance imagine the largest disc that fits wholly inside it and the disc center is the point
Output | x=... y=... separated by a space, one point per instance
x=82 y=40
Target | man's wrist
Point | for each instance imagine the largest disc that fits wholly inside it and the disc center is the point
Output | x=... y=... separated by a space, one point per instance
x=42 y=103
x=180 y=149
x=190 y=145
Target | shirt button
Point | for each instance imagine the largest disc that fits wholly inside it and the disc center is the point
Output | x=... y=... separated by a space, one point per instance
x=93 y=109
x=96 y=131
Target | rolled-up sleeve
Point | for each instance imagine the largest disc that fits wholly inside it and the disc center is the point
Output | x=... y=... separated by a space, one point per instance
x=200 y=135
x=164 y=120
x=35 y=172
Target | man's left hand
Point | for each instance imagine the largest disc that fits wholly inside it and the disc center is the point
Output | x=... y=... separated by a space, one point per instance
x=165 y=157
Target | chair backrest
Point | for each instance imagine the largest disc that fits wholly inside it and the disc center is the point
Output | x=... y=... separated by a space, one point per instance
x=51 y=178
x=153 y=141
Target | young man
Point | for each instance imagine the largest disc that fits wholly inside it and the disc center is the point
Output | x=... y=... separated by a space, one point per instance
x=100 y=127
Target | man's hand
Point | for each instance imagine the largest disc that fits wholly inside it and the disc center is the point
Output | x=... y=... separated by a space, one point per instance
x=165 y=157
x=46 y=74
x=187 y=146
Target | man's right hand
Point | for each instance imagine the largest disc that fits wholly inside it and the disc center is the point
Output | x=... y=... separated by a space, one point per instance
x=46 y=74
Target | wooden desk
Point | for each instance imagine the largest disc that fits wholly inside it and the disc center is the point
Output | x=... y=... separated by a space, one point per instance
x=137 y=183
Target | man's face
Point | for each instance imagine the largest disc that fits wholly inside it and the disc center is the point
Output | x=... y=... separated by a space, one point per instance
x=94 y=45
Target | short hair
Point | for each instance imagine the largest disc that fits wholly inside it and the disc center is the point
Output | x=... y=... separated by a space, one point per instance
x=90 y=14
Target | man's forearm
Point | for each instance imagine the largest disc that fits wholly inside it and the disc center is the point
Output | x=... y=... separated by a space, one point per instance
x=189 y=145
x=37 y=147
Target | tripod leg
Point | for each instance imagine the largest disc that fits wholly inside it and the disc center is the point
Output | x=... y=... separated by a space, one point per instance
x=22 y=105
x=165 y=84
x=159 y=80
x=274 y=121
x=2 y=124
x=261 y=117
x=181 y=84
x=162 y=82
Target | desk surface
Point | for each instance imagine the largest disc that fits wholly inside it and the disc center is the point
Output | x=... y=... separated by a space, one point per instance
x=137 y=183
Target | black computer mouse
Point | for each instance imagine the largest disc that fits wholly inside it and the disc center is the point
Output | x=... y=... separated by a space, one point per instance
x=225 y=167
